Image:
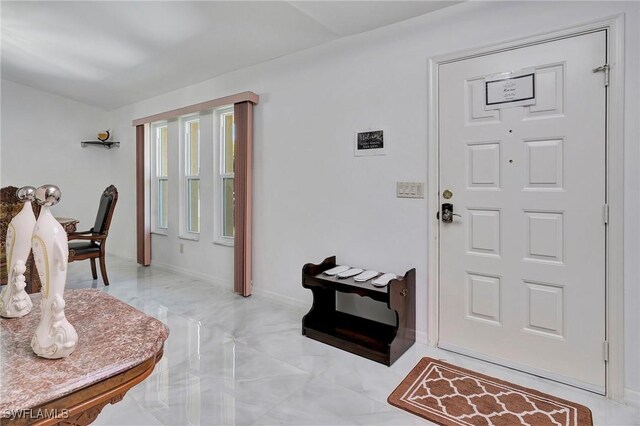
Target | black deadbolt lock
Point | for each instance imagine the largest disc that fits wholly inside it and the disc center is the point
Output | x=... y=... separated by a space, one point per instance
x=447 y=213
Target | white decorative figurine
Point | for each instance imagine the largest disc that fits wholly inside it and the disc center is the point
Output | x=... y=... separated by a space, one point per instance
x=14 y=301
x=55 y=337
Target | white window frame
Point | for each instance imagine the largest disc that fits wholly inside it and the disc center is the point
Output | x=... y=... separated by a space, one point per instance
x=219 y=176
x=185 y=233
x=155 y=178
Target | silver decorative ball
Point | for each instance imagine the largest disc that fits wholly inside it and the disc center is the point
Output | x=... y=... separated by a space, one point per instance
x=48 y=195
x=26 y=193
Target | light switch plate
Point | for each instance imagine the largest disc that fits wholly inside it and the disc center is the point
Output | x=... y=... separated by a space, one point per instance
x=410 y=189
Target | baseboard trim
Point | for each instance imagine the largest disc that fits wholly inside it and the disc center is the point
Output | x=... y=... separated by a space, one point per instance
x=120 y=256
x=220 y=282
x=226 y=284
x=422 y=337
x=632 y=397
x=279 y=298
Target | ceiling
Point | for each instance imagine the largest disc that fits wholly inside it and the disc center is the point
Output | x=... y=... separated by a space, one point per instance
x=113 y=53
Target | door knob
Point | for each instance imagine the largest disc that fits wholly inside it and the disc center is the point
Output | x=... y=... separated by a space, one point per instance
x=447 y=213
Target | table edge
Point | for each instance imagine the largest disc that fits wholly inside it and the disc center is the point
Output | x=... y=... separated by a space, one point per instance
x=84 y=405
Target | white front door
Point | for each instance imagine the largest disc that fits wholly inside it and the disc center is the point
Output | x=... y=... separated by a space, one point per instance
x=522 y=270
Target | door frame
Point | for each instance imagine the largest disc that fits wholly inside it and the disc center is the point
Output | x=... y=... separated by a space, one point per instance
x=614 y=257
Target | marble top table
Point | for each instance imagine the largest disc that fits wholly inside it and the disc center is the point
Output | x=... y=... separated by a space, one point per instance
x=118 y=347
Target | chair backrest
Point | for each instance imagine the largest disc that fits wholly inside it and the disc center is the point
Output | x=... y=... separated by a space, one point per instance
x=105 y=210
x=9 y=207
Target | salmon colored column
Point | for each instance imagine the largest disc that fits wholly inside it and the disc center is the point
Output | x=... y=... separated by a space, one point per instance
x=143 y=226
x=243 y=172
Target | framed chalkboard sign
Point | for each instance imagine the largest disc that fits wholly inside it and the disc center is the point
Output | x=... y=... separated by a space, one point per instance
x=370 y=142
x=510 y=89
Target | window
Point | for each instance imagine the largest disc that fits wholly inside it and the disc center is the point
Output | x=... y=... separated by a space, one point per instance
x=192 y=174
x=161 y=177
x=224 y=224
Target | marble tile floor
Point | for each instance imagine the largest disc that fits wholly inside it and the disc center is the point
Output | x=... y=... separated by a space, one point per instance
x=231 y=360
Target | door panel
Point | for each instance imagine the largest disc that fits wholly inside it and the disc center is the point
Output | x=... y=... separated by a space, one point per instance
x=522 y=271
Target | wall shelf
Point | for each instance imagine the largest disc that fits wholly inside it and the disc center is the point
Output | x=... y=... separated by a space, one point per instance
x=106 y=144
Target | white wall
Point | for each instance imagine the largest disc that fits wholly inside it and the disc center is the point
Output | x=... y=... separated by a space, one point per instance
x=313 y=198
x=40 y=136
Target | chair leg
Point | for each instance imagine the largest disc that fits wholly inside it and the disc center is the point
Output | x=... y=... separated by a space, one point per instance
x=94 y=273
x=103 y=270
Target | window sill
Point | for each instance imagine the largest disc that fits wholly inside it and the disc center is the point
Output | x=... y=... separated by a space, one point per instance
x=190 y=237
x=227 y=242
x=156 y=232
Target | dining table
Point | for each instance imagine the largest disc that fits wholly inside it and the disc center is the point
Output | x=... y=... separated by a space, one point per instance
x=68 y=223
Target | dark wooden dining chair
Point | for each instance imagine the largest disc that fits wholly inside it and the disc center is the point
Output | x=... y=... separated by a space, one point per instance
x=92 y=244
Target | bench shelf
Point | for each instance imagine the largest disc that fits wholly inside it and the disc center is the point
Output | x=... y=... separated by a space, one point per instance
x=377 y=341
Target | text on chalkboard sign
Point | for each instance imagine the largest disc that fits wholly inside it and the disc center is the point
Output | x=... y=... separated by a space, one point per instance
x=370 y=140
x=510 y=89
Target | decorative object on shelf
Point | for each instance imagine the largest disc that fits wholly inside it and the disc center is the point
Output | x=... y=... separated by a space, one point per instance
x=104 y=136
x=103 y=140
x=14 y=300
x=55 y=337
x=377 y=341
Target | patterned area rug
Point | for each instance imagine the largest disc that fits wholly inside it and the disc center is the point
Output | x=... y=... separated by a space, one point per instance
x=450 y=395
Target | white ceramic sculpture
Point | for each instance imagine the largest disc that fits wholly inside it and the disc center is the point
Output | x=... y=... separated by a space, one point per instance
x=14 y=301
x=55 y=337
